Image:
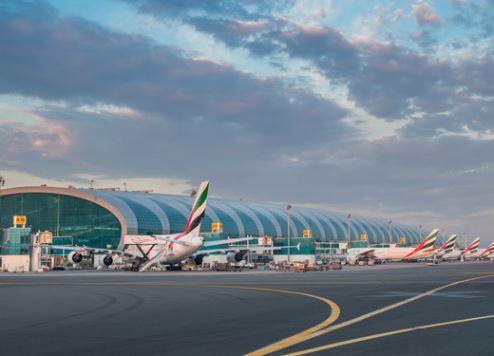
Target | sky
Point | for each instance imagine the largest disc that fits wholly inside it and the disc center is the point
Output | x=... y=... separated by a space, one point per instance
x=376 y=108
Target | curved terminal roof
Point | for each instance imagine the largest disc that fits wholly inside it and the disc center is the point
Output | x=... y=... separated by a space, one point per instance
x=142 y=213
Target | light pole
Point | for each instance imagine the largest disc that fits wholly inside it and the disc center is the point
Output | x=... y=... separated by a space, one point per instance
x=2 y=183
x=389 y=230
x=462 y=256
x=349 y=217
x=288 y=207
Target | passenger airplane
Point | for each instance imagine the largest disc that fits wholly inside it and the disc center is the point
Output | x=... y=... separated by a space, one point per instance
x=394 y=253
x=488 y=252
x=471 y=251
x=148 y=250
x=447 y=247
x=449 y=251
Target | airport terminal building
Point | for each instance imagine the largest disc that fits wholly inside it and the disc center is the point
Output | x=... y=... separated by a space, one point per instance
x=100 y=218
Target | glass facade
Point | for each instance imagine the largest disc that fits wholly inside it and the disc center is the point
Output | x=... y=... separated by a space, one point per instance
x=73 y=220
x=83 y=222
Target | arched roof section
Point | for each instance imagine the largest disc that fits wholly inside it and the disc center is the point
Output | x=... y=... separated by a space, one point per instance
x=155 y=209
x=372 y=227
x=139 y=212
x=243 y=212
x=282 y=218
x=344 y=222
x=312 y=220
x=176 y=215
x=267 y=214
x=337 y=225
x=327 y=225
x=231 y=214
x=361 y=228
x=383 y=236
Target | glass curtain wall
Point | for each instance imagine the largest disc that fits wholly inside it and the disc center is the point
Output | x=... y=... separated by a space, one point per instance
x=73 y=221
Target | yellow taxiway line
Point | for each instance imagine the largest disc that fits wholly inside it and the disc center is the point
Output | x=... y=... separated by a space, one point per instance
x=305 y=335
x=294 y=339
x=388 y=333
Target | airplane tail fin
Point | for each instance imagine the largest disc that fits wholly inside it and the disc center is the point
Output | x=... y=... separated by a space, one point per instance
x=473 y=246
x=427 y=244
x=449 y=244
x=488 y=251
x=198 y=210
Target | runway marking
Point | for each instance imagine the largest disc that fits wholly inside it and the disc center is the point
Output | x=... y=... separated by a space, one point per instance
x=291 y=340
x=305 y=337
x=388 y=333
x=294 y=339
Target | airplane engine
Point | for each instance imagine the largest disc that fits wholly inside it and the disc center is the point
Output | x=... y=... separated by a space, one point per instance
x=351 y=260
x=108 y=260
x=74 y=257
x=233 y=257
x=198 y=260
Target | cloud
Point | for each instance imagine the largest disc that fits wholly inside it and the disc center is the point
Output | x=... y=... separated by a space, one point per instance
x=394 y=82
x=170 y=186
x=23 y=143
x=424 y=39
x=85 y=65
x=131 y=106
x=425 y=14
x=387 y=80
x=50 y=140
x=475 y=16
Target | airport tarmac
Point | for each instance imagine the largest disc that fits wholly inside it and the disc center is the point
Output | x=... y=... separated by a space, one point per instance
x=372 y=310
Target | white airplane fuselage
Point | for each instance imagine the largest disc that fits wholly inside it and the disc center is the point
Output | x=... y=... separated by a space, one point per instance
x=452 y=255
x=470 y=256
x=388 y=253
x=171 y=253
x=400 y=253
x=484 y=254
x=353 y=254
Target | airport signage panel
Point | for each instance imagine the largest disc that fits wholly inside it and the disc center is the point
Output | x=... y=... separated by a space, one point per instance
x=265 y=241
x=19 y=220
x=363 y=237
x=217 y=227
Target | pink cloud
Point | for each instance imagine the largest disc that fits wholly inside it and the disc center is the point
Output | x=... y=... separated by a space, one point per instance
x=50 y=140
x=425 y=14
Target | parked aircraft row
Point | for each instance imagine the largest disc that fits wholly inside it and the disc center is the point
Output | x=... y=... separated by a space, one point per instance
x=426 y=250
x=144 y=251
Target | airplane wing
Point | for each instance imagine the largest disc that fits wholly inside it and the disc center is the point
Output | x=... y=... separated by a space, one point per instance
x=147 y=240
x=93 y=250
x=227 y=241
x=366 y=252
x=167 y=239
x=241 y=249
x=84 y=248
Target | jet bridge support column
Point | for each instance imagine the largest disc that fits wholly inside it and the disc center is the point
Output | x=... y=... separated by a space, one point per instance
x=35 y=252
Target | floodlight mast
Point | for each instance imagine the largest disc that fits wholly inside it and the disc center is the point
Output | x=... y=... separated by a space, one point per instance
x=288 y=207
